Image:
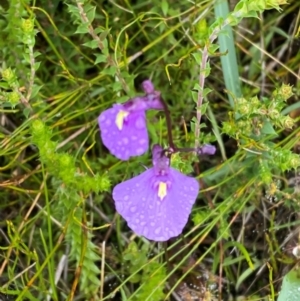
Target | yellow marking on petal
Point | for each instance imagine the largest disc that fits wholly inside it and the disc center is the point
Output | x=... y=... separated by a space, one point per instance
x=162 y=190
x=120 y=119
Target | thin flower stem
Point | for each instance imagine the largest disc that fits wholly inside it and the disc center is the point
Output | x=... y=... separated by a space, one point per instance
x=172 y=147
x=169 y=124
x=101 y=46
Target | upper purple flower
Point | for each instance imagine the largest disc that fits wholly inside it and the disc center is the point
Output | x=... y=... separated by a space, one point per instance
x=158 y=202
x=123 y=127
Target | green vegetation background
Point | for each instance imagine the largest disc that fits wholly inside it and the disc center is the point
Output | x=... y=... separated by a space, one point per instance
x=64 y=62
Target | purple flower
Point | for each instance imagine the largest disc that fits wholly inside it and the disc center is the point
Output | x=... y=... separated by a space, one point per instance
x=207 y=149
x=147 y=86
x=158 y=202
x=124 y=127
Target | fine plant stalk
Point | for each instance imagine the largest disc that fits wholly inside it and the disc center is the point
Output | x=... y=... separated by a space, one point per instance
x=101 y=46
x=203 y=73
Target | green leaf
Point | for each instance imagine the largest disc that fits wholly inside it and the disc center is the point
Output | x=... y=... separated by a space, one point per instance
x=165 y=7
x=192 y=123
x=26 y=57
x=36 y=54
x=90 y=13
x=35 y=91
x=197 y=87
x=4 y=86
x=152 y=288
x=73 y=9
x=242 y=249
x=195 y=96
x=117 y=86
x=200 y=216
x=37 y=65
x=206 y=70
x=26 y=112
x=212 y=48
x=206 y=91
x=290 y=287
x=229 y=61
x=91 y=44
x=110 y=71
x=99 y=29
x=100 y=58
x=82 y=28
x=104 y=34
x=268 y=128
x=203 y=108
x=197 y=56
x=252 y=14
x=123 y=99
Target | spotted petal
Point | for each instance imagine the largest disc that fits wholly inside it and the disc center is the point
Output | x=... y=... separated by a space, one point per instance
x=128 y=140
x=146 y=214
x=179 y=201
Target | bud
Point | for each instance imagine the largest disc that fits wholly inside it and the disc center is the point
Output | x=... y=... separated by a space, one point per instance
x=101 y=183
x=283 y=93
x=264 y=172
x=234 y=18
x=243 y=106
x=8 y=75
x=286 y=91
x=104 y=183
x=47 y=150
x=207 y=149
x=271 y=4
x=294 y=161
x=244 y=127
x=13 y=98
x=28 y=32
x=256 y=5
x=255 y=101
x=244 y=109
x=287 y=122
x=66 y=169
x=27 y=25
x=273 y=113
x=66 y=160
x=201 y=31
x=228 y=128
x=38 y=127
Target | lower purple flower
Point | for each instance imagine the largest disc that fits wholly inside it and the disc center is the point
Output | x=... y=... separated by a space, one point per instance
x=157 y=203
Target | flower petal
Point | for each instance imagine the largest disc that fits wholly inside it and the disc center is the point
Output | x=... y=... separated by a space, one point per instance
x=153 y=101
x=134 y=200
x=132 y=137
x=148 y=86
x=179 y=201
x=207 y=149
x=146 y=214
